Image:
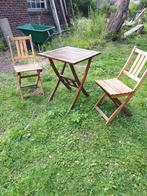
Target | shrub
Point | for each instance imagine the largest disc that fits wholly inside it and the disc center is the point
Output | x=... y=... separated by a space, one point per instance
x=83 y=6
x=2 y=45
x=107 y=9
x=133 y=9
x=143 y=3
x=88 y=33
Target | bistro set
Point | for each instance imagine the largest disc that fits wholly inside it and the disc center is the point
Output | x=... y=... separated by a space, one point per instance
x=71 y=56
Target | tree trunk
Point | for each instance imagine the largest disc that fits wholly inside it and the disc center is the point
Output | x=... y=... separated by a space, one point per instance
x=115 y=23
x=55 y=15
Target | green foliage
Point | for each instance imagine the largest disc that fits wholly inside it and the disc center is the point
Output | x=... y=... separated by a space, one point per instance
x=133 y=9
x=143 y=3
x=107 y=9
x=83 y=6
x=88 y=33
x=45 y=149
x=2 y=45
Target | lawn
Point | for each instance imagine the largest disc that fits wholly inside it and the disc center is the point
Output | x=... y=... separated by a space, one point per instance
x=48 y=150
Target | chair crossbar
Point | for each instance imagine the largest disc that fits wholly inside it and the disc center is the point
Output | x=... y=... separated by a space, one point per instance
x=140 y=52
x=22 y=53
x=141 y=66
x=112 y=87
x=135 y=63
x=131 y=76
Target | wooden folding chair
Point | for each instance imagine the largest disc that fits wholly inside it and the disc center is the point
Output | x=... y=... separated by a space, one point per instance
x=20 y=46
x=114 y=88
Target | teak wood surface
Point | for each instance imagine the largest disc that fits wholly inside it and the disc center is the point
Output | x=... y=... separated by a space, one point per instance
x=114 y=88
x=70 y=56
x=22 y=53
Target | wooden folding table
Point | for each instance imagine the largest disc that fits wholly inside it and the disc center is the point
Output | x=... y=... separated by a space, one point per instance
x=71 y=56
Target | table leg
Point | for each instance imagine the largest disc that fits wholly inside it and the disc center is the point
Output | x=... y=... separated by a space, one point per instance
x=59 y=74
x=81 y=84
x=77 y=80
x=57 y=84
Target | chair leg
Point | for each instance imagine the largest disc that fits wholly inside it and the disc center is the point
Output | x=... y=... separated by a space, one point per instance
x=39 y=81
x=118 y=103
x=100 y=100
x=121 y=106
x=18 y=75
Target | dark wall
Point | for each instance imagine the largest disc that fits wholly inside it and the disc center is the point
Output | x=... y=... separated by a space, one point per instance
x=17 y=14
x=15 y=11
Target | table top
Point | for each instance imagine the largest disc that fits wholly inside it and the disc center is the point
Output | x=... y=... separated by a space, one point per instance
x=69 y=54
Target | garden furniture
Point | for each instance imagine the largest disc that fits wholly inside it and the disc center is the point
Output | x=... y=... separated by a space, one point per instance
x=115 y=88
x=70 y=56
x=19 y=45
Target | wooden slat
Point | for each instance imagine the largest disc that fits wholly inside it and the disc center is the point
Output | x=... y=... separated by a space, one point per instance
x=105 y=87
x=140 y=52
x=119 y=87
x=28 y=67
x=144 y=75
x=25 y=48
x=20 y=38
x=131 y=76
x=21 y=48
x=102 y=113
x=127 y=63
x=135 y=63
x=24 y=57
x=33 y=94
x=114 y=87
x=29 y=76
x=18 y=48
x=30 y=85
x=141 y=66
x=70 y=55
x=70 y=81
x=138 y=65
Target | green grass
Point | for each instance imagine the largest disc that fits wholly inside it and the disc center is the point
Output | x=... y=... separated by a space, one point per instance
x=47 y=150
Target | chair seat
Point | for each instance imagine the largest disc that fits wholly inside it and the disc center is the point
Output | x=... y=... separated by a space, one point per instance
x=114 y=87
x=27 y=67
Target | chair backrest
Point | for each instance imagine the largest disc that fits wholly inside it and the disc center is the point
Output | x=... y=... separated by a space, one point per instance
x=21 y=48
x=138 y=70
